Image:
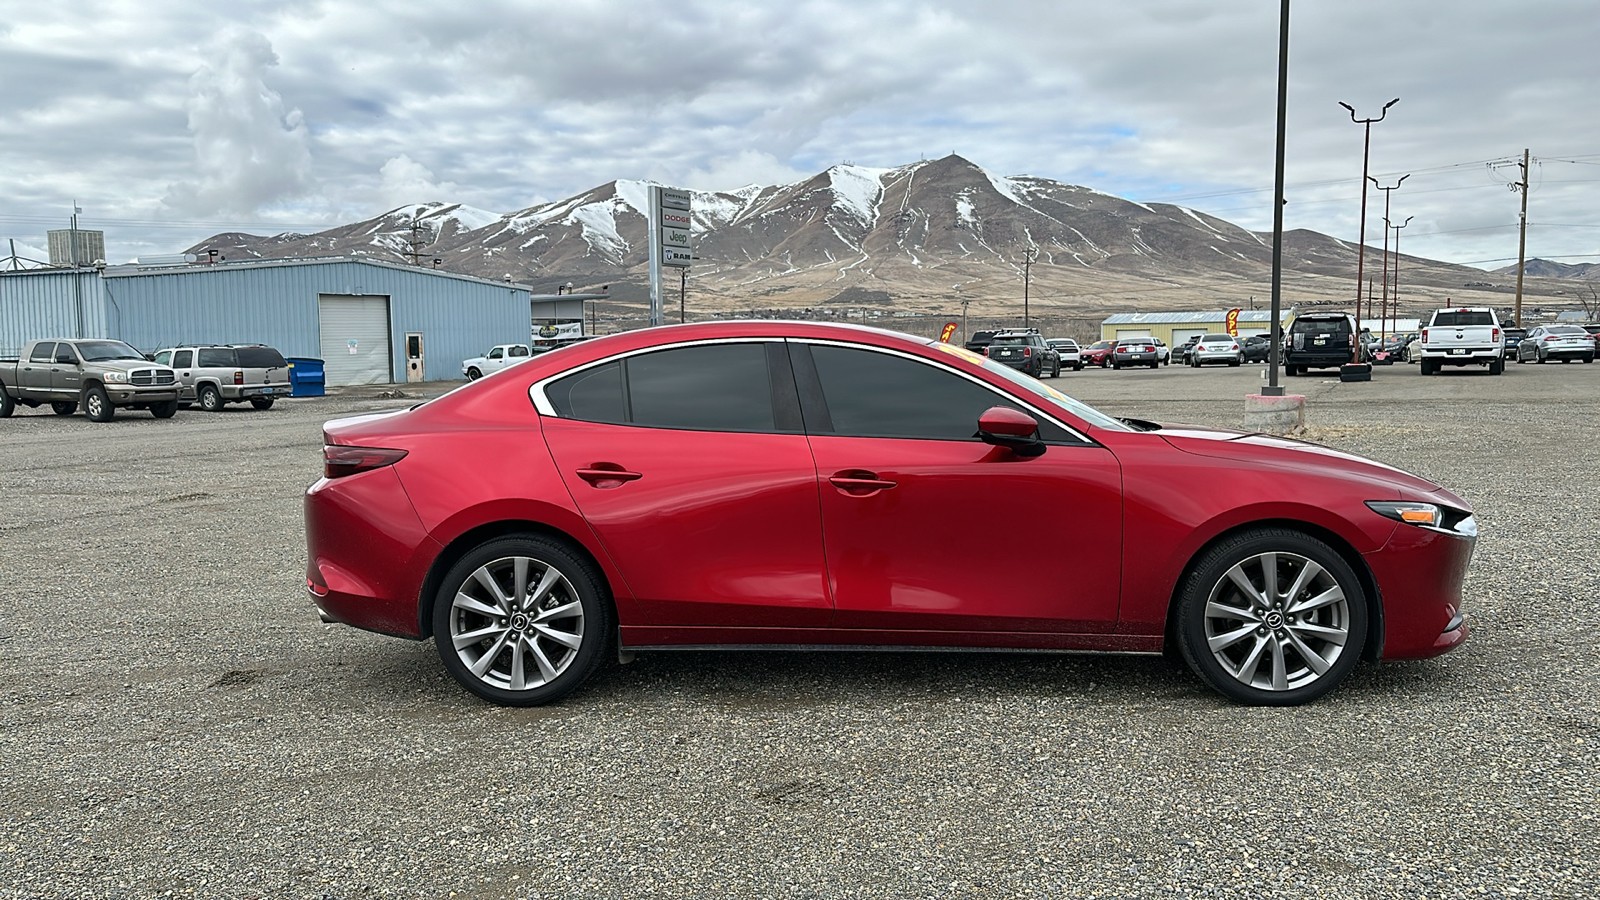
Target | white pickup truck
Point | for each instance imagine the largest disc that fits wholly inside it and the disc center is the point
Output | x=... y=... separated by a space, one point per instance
x=1462 y=336
x=493 y=360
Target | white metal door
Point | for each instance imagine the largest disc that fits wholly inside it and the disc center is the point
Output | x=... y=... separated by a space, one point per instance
x=1180 y=336
x=355 y=339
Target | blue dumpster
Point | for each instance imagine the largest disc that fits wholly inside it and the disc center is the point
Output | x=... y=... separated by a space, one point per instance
x=306 y=378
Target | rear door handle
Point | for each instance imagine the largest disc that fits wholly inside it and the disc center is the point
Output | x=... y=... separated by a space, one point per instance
x=859 y=483
x=608 y=475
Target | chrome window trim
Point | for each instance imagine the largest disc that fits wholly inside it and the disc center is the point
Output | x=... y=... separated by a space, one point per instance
x=542 y=403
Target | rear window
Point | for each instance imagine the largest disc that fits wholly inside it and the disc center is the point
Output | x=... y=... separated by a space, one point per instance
x=1216 y=337
x=1005 y=341
x=1303 y=325
x=1457 y=318
x=1566 y=329
x=261 y=358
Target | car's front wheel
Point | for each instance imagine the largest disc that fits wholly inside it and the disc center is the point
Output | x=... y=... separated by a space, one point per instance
x=473 y=374
x=522 y=621
x=1271 y=617
x=96 y=405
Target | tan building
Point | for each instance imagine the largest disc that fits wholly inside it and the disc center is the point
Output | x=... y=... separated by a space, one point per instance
x=1177 y=327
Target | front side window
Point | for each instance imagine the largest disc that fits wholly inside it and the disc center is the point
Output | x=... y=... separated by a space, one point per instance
x=164 y=357
x=495 y=353
x=872 y=394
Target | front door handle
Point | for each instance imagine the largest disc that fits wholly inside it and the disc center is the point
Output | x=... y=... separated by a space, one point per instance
x=859 y=483
x=608 y=475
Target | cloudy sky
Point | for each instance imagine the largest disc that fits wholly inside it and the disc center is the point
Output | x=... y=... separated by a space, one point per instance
x=170 y=122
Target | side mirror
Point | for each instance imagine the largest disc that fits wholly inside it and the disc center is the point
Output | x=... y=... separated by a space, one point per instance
x=1017 y=431
x=65 y=359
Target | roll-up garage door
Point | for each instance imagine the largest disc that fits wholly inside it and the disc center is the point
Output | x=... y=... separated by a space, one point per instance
x=355 y=339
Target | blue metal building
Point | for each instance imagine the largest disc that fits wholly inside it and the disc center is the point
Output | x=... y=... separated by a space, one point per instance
x=372 y=322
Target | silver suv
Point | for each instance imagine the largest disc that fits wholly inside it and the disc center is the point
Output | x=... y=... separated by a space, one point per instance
x=215 y=375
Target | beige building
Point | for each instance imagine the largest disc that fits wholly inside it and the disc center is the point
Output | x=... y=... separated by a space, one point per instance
x=1177 y=327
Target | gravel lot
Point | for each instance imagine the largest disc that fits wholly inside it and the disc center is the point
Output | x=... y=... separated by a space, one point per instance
x=173 y=717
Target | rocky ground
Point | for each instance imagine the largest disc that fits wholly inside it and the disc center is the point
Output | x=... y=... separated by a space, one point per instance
x=174 y=719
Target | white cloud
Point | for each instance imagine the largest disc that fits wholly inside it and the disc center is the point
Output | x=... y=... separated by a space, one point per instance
x=404 y=180
x=250 y=152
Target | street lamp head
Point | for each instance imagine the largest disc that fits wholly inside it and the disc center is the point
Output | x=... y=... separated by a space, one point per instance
x=1391 y=103
x=1349 y=107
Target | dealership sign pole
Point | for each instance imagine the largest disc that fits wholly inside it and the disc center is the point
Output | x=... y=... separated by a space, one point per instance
x=669 y=240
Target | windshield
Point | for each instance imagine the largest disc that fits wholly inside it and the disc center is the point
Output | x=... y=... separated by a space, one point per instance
x=1039 y=389
x=101 y=351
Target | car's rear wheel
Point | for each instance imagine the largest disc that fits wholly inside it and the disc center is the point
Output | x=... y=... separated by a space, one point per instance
x=64 y=407
x=1272 y=617
x=96 y=405
x=1496 y=366
x=522 y=621
x=262 y=402
x=7 y=405
x=210 y=398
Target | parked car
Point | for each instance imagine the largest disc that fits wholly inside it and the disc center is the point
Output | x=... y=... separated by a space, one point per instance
x=1216 y=348
x=215 y=375
x=1134 y=352
x=595 y=472
x=494 y=359
x=102 y=376
x=1319 y=341
x=1067 y=350
x=1182 y=351
x=1025 y=351
x=1462 y=336
x=1563 y=342
x=1594 y=332
x=1513 y=337
x=1098 y=353
x=979 y=342
x=1256 y=348
x=1163 y=352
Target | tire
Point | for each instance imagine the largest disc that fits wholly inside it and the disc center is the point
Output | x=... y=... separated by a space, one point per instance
x=164 y=410
x=1588 y=359
x=1497 y=366
x=1117 y=366
x=7 y=405
x=473 y=374
x=210 y=398
x=1056 y=372
x=1539 y=357
x=1234 y=363
x=1226 y=636
x=262 y=402
x=64 y=407
x=465 y=607
x=96 y=405
x=1077 y=367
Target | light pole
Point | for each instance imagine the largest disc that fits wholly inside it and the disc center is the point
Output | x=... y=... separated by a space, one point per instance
x=964 y=335
x=1386 y=192
x=1273 y=388
x=1394 y=308
x=1027 y=264
x=1366 y=147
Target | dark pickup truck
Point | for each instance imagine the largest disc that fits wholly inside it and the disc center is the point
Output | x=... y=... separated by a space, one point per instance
x=980 y=341
x=99 y=375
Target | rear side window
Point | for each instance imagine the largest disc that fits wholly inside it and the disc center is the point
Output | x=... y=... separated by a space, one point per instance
x=183 y=359
x=216 y=357
x=593 y=395
x=1456 y=319
x=261 y=358
x=43 y=353
x=713 y=387
x=518 y=351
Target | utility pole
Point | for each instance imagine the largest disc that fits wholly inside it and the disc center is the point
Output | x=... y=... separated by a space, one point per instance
x=1027 y=264
x=683 y=290
x=1386 y=192
x=1522 y=233
x=1361 y=241
x=1273 y=388
x=416 y=243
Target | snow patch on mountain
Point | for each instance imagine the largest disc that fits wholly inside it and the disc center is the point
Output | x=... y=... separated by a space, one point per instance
x=857 y=190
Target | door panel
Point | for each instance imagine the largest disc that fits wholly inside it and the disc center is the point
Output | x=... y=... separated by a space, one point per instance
x=970 y=537
x=708 y=528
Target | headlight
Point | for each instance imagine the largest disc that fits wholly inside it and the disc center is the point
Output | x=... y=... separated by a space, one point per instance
x=1427 y=515
x=116 y=376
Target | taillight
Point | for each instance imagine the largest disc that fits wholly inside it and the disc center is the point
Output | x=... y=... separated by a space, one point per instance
x=1494 y=334
x=1027 y=352
x=238 y=376
x=339 y=460
x=985 y=351
x=1551 y=337
x=1235 y=346
x=1424 y=335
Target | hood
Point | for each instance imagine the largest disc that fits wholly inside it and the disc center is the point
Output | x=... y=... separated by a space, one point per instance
x=1275 y=450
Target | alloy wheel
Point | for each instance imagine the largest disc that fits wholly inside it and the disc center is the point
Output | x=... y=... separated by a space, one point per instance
x=516 y=623
x=1277 y=621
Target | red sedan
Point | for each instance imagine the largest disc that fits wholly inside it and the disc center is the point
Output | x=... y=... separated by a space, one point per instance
x=1098 y=353
x=790 y=484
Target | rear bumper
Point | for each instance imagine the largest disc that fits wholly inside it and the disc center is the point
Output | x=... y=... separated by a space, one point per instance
x=367 y=553
x=1468 y=356
x=252 y=391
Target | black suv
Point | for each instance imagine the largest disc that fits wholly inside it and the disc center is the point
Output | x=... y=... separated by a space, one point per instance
x=1319 y=341
x=1025 y=350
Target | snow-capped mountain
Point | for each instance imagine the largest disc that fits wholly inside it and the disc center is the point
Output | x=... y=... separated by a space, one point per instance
x=910 y=236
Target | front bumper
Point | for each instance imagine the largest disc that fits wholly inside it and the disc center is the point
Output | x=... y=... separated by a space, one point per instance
x=1420 y=573
x=133 y=395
